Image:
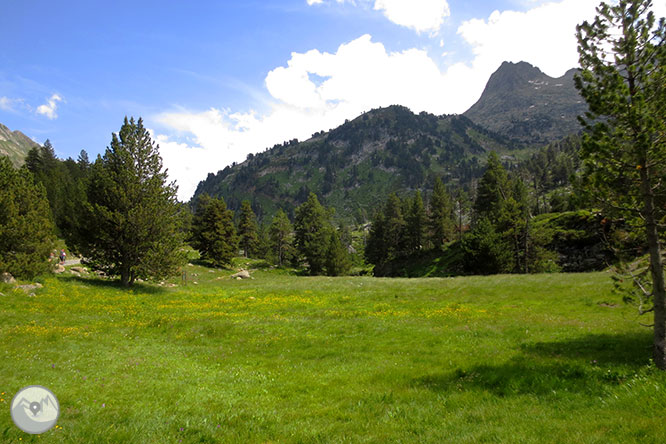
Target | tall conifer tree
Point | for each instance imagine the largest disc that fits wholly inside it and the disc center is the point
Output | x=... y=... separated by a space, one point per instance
x=337 y=256
x=247 y=229
x=281 y=237
x=416 y=224
x=622 y=54
x=27 y=233
x=312 y=233
x=493 y=190
x=132 y=214
x=441 y=223
x=213 y=231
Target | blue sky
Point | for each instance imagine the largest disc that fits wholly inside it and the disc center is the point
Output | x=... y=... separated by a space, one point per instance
x=216 y=80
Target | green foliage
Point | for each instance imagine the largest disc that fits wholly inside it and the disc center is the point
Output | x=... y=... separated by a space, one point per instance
x=493 y=191
x=579 y=238
x=376 y=250
x=486 y=251
x=622 y=54
x=548 y=171
x=416 y=220
x=394 y=228
x=441 y=225
x=281 y=238
x=263 y=249
x=247 y=230
x=26 y=228
x=338 y=262
x=626 y=94
x=213 y=231
x=312 y=227
x=388 y=240
x=498 y=239
x=65 y=182
x=382 y=151
x=132 y=218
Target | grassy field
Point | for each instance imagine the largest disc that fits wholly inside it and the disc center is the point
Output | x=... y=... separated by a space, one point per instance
x=280 y=358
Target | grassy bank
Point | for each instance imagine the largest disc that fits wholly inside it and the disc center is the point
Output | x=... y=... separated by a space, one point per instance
x=280 y=358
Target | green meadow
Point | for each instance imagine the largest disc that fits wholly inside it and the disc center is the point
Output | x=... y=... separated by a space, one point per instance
x=553 y=358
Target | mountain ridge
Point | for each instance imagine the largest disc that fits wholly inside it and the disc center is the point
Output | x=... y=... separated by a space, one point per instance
x=15 y=145
x=382 y=151
x=528 y=106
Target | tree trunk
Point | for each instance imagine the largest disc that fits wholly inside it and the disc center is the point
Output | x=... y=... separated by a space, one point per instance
x=125 y=276
x=657 y=271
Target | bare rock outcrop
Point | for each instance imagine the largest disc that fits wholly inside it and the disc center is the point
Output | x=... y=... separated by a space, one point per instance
x=243 y=274
x=7 y=278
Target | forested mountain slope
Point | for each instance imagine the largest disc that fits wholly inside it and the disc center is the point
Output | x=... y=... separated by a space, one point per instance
x=355 y=165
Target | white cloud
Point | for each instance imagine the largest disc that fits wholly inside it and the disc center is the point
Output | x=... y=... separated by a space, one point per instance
x=6 y=104
x=361 y=75
x=13 y=104
x=419 y=15
x=319 y=90
x=50 y=107
x=543 y=36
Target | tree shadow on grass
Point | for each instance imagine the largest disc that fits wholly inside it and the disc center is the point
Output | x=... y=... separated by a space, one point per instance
x=140 y=288
x=628 y=349
x=586 y=364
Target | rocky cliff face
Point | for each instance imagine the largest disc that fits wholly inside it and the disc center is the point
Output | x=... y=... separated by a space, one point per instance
x=524 y=104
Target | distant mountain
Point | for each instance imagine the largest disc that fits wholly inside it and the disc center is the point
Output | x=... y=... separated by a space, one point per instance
x=355 y=166
x=522 y=103
x=15 y=145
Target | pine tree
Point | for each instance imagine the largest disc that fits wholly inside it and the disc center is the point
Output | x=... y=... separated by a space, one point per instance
x=416 y=224
x=622 y=54
x=83 y=161
x=513 y=223
x=281 y=237
x=440 y=221
x=500 y=204
x=263 y=249
x=132 y=216
x=462 y=206
x=312 y=233
x=64 y=182
x=493 y=190
x=247 y=229
x=213 y=231
x=337 y=257
x=26 y=227
x=376 y=251
x=394 y=228
x=485 y=251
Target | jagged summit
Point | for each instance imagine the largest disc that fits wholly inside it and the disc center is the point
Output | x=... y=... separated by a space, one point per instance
x=522 y=103
x=512 y=75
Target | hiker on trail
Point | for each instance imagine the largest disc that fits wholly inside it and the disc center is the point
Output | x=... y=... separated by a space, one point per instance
x=63 y=256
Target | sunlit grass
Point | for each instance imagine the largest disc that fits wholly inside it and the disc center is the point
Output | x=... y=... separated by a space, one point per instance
x=281 y=358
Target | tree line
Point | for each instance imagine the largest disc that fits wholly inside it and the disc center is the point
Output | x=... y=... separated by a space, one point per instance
x=312 y=241
x=490 y=235
x=120 y=213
